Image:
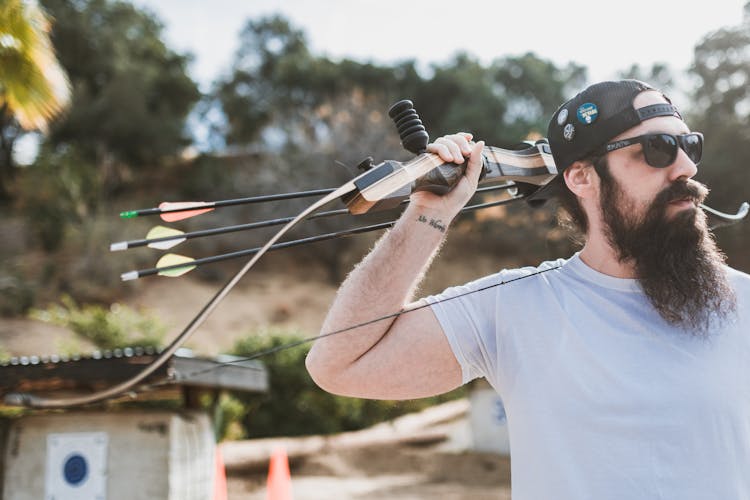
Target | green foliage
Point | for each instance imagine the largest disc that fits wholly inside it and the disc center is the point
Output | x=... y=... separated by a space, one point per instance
x=107 y=328
x=130 y=99
x=131 y=94
x=4 y=355
x=295 y=406
x=721 y=109
x=33 y=87
x=277 y=83
x=16 y=293
x=228 y=416
x=503 y=103
x=659 y=75
x=59 y=190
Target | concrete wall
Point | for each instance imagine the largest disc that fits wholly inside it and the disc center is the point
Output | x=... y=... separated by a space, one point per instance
x=489 y=426
x=149 y=455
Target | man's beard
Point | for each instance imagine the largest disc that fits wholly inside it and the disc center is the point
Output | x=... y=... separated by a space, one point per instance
x=676 y=260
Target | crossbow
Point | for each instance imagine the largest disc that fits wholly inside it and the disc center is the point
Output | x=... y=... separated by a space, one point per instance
x=523 y=171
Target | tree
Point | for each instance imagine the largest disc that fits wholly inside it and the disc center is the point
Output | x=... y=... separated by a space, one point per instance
x=131 y=93
x=659 y=75
x=33 y=86
x=721 y=109
x=502 y=103
x=278 y=92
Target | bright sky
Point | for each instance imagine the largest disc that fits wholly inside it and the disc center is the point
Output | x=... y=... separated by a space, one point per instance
x=602 y=35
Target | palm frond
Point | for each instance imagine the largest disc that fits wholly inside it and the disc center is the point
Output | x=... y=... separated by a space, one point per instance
x=33 y=85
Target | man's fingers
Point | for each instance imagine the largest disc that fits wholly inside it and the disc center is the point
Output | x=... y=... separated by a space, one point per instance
x=474 y=167
x=452 y=148
x=443 y=150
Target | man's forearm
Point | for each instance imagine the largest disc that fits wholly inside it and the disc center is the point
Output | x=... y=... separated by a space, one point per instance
x=405 y=356
x=383 y=283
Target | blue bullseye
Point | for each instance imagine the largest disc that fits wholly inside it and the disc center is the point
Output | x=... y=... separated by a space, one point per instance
x=75 y=469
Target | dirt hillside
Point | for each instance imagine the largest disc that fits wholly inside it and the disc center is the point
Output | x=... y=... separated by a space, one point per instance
x=285 y=293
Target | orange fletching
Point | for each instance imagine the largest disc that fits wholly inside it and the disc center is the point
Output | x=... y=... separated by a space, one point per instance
x=169 y=216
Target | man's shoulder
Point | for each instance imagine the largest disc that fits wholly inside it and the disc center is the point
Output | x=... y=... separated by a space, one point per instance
x=509 y=279
x=520 y=273
x=739 y=278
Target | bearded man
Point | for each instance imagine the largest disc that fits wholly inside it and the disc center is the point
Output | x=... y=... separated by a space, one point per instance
x=624 y=369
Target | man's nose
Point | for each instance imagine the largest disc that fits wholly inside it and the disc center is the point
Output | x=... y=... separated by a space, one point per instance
x=683 y=166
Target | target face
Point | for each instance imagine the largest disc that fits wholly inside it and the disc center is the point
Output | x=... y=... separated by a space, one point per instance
x=76 y=466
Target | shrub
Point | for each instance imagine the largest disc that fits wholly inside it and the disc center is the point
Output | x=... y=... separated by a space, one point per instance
x=16 y=294
x=294 y=405
x=107 y=328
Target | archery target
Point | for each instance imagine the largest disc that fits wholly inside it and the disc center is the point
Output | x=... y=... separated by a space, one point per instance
x=76 y=466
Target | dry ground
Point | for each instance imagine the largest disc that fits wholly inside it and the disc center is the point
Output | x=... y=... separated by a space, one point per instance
x=267 y=301
x=417 y=456
x=286 y=293
x=389 y=472
x=299 y=300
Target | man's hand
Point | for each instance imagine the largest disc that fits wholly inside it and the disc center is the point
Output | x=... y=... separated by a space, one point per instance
x=453 y=148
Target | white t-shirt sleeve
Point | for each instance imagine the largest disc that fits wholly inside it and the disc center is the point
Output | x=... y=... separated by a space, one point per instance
x=477 y=319
x=466 y=314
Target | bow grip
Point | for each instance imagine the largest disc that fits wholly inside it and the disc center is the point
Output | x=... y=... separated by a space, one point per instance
x=443 y=178
x=440 y=179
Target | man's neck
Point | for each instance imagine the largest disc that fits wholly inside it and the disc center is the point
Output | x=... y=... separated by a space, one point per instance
x=599 y=255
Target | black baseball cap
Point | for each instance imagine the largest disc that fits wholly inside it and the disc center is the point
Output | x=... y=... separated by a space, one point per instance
x=593 y=117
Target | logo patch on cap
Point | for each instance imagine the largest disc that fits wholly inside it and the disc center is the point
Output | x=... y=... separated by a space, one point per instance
x=587 y=113
x=562 y=116
x=568 y=132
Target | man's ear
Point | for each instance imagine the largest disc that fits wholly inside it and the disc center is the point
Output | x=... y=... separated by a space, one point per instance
x=582 y=179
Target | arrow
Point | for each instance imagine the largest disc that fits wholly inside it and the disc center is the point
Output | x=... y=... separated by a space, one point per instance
x=164 y=238
x=173 y=265
x=171 y=211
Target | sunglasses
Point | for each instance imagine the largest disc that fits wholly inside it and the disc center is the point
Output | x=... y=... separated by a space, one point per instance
x=660 y=150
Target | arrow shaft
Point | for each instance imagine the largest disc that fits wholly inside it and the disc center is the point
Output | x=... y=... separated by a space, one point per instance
x=259 y=224
x=226 y=203
x=302 y=241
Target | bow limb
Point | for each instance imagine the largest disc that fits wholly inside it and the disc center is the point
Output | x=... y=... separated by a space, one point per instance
x=32 y=401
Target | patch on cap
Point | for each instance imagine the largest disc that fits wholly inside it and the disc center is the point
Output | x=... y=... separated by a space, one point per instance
x=587 y=113
x=562 y=116
x=568 y=132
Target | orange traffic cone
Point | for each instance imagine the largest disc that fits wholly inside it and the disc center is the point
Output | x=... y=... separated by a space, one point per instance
x=279 y=480
x=220 y=477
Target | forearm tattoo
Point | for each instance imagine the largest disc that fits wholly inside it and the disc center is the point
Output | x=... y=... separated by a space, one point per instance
x=436 y=223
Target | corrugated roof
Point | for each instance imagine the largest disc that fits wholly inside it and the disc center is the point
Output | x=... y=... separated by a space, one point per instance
x=81 y=373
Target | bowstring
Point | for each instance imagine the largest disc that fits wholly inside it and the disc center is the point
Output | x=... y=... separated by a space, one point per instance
x=290 y=345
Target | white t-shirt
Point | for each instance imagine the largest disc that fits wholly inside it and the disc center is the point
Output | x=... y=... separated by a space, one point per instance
x=604 y=399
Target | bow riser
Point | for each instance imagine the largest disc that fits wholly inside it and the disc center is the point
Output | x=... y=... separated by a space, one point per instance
x=427 y=172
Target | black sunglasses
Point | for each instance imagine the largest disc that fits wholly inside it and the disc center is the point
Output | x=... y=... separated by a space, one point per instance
x=660 y=150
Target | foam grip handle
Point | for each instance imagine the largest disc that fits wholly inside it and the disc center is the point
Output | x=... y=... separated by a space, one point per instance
x=440 y=179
